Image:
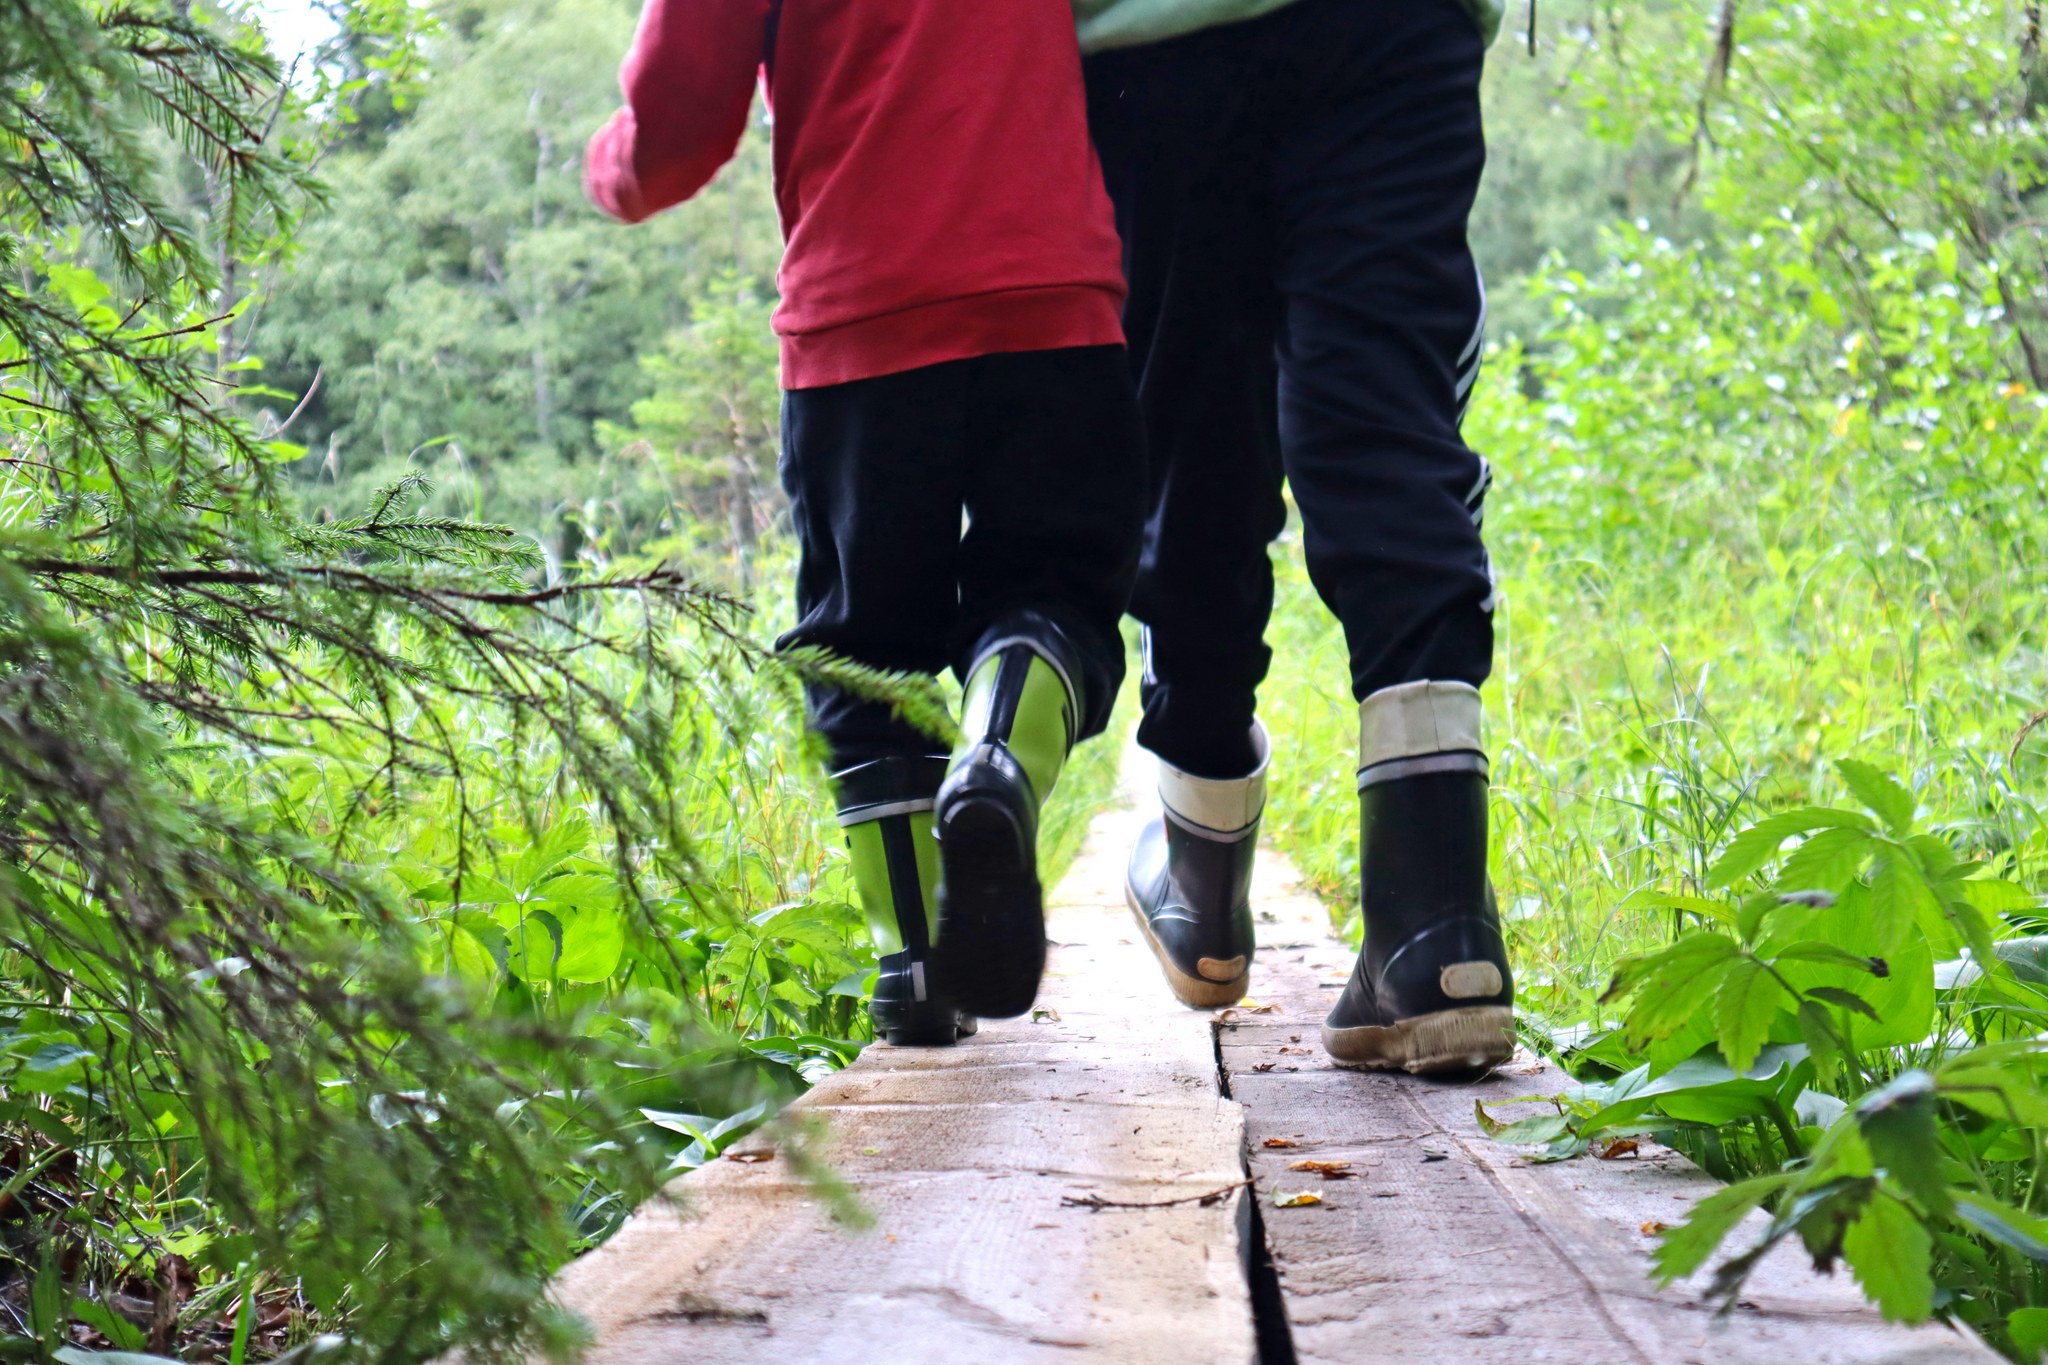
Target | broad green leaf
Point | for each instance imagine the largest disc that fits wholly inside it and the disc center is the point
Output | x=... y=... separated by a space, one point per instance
x=1698 y=951
x=1679 y=983
x=1890 y=1253
x=1744 y=1006
x=2028 y=1328
x=593 y=942
x=1934 y=856
x=1535 y=1128
x=1758 y=844
x=1995 y=897
x=1825 y=862
x=1685 y=1248
x=1998 y=1092
x=1899 y=1127
x=1891 y=803
x=1904 y=996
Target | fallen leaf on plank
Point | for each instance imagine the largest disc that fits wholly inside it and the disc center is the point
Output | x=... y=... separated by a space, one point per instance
x=750 y=1158
x=1281 y=1142
x=1328 y=1170
x=1042 y=1015
x=1282 y=1200
x=1620 y=1147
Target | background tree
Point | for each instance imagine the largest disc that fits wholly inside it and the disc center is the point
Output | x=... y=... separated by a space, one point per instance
x=467 y=311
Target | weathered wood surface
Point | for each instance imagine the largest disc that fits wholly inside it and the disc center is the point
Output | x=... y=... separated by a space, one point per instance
x=964 y=1158
x=1444 y=1247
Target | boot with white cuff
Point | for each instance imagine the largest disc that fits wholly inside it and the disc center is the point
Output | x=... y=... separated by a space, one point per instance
x=1189 y=882
x=1432 y=990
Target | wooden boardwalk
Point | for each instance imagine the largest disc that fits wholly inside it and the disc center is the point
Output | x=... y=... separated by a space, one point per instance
x=1073 y=1185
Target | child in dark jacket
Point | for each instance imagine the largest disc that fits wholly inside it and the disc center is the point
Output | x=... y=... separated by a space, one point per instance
x=950 y=344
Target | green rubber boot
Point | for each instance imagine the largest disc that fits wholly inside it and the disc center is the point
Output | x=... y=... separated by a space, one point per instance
x=885 y=807
x=1019 y=722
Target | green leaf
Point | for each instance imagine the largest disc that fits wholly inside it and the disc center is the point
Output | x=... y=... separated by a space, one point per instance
x=1848 y=1000
x=1696 y=951
x=1685 y=1248
x=1673 y=985
x=1535 y=1128
x=1995 y=897
x=1812 y=950
x=1819 y=1032
x=1825 y=862
x=125 y=1335
x=1900 y=900
x=593 y=943
x=1758 y=844
x=1970 y=926
x=2004 y=1224
x=1745 y=1005
x=1666 y=900
x=1891 y=803
x=1890 y=1253
x=2028 y=1328
x=1899 y=1127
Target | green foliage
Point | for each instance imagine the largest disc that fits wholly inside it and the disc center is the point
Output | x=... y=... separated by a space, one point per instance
x=1770 y=495
x=710 y=433
x=364 y=892
x=467 y=312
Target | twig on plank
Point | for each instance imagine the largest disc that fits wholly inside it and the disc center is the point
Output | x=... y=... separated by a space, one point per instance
x=1096 y=1203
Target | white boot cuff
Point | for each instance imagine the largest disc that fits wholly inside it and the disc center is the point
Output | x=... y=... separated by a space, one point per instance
x=1419 y=727
x=1214 y=806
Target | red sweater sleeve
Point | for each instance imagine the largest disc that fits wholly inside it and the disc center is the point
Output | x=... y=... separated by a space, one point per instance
x=689 y=82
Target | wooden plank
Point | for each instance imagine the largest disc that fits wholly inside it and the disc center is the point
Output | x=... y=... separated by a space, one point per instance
x=963 y=1158
x=1448 y=1246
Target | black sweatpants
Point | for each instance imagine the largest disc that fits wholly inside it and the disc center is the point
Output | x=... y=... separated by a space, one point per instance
x=1293 y=194
x=1041 y=450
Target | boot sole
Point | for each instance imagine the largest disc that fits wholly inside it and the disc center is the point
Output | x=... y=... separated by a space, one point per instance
x=932 y=1033
x=1196 y=992
x=990 y=949
x=1469 y=1039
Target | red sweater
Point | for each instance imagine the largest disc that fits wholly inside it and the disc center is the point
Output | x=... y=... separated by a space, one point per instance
x=940 y=198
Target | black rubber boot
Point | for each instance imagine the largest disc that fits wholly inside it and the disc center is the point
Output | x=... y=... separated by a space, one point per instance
x=1018 y=722
x=885 y=807
x=1431 y=990
x=1190 y=879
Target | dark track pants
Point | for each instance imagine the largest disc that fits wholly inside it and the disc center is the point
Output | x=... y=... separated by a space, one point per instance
x=1042 y=452
x=1293 y=194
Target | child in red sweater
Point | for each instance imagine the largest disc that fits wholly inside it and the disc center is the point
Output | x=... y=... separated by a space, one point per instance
x=950 y=344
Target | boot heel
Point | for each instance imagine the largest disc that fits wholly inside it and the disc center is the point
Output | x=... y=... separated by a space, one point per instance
x=991 y=940
x=1449 y=1040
